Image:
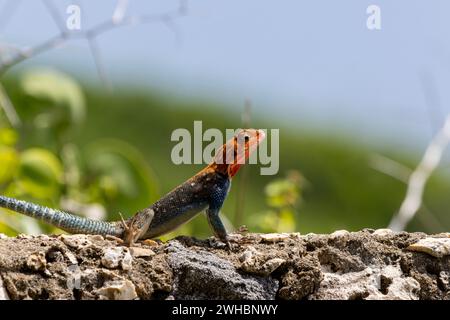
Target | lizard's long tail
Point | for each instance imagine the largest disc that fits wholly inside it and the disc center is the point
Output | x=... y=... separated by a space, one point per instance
x=63 y=220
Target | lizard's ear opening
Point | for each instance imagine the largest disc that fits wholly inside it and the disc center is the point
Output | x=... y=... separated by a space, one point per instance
x=233 y=169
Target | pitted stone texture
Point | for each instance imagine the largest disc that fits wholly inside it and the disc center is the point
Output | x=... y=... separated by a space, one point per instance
x=203 y=275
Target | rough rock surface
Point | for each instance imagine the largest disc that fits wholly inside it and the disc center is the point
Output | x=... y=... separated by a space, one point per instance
x=369 y=264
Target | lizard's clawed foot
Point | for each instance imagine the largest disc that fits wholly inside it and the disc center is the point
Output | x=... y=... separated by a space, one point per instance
x=230 y=242
x=218 y=243
x=128 y=238
x=137 y=226
x=229 y=245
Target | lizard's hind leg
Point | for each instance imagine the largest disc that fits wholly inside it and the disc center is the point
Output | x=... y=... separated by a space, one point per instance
x=137 y=226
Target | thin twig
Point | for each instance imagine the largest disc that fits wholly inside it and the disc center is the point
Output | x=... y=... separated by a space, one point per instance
x=98 y=63
x=402 y=173
x=53 y=10
x=8 y=108
x=390 y=167
x=7 y=49
x=241 y=190
x=118 y=19
x=419 y=178
x=120 y=11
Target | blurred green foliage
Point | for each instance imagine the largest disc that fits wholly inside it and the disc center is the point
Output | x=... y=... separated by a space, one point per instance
x=99 y=153
x=105 y=175
x=54 y=99
x=283 y=196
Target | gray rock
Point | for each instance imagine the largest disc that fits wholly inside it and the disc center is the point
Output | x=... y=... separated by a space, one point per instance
x=357 y=265
x=370 y=284
x=255 y=262
x=141 y=252
x=37 y=261
x=437 y=247
x=117 y=290
x=117 y=257
x=3 y=292
x=200 y=274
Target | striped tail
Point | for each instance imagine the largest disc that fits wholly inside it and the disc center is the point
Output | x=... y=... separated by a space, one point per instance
x=63 y=220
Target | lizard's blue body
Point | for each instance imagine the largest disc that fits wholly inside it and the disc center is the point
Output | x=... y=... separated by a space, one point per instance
x=206 y=190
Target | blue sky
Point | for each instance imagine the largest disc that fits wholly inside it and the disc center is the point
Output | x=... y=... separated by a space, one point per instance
x=307 y=62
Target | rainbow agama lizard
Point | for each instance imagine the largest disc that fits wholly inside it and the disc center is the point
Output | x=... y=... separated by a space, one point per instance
x=206 y=190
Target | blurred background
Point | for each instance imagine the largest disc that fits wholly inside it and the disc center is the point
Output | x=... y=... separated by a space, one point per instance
x=87 y=112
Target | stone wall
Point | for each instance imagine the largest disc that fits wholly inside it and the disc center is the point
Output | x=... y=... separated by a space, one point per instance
x=369 y=264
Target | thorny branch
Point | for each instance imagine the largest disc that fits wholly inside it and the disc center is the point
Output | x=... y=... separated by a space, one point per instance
x=390 y=167
x=240 y=199
x=8 y=107
x=419 y=177
x=402 y=173
x=117 y=20
x=11 y=55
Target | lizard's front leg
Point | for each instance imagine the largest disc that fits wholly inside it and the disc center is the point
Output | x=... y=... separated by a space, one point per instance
x=217 y=226
x=137 y=226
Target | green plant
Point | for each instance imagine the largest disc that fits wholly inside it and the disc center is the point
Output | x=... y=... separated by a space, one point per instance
x=105 y=176
x=283 y=196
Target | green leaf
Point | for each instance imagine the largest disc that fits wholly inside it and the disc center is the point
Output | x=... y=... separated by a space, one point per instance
x=287 y=221
x=282 y=192
x=40 y=173
x=272 y=221
x=267 y=221
x=126 y=181
x=9 y=159
x=8 y=136
x=54 y=96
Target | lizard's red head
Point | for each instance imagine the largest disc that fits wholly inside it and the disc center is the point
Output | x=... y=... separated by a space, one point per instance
x=233 y=154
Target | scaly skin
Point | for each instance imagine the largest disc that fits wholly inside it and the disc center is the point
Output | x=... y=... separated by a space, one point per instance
x=206 y=190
